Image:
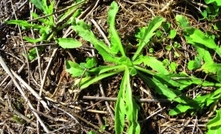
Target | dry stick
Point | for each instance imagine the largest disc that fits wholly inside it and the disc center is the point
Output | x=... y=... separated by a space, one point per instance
x=115 y=99
x=46 y=70
x=106 y=102
x=83 y=16
x=10 y=82
x=38 y=56
x=100 y=123
x=22 y=42
x=64 y=9
x=162 y=131
x=148 y=3
x=195 y=122
x=49 y=117
x=7 y=70
x=101 y=32
x=82 y=119
x=153 y=114
x=39 y=65
x=31 y=90
x=166 y=6
x=66 y=113
x=50 y=61
x=12 y=54
x=187 y=122
x=19 y=114
x=100 y=85
x=75 y=107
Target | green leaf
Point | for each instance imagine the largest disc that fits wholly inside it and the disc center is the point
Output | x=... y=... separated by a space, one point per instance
x=204 y=14
x=180 y=108
x=203 y=52
x=133 y=71
x=146 y=34
x=182 y=21
x=24 y=24
x=128 y=108
x=126 y=61
x=33 y=40
x=215 y=130
x=211 y=67
x=40 y=4
x=151 y=62
x=219 y=75
x=105 y=69
x=119 y=112
x=199 y=103
x=84 y=31
x=173 y=66
x=172 y=34
x=68 y=43
x=74 y=69
x=92 y=132
x=70 y=16
x=158 y=33
x=216 y=121
x=218 y=2
x=166 y=26
x=195 y=64
x=90 y=62
x=89 y=80
x=32 y=53
x=197 y=36
x=159 y=84
x=50 y=9
x=114 y=37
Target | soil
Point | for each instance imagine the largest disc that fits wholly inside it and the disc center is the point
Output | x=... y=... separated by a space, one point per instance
x=74 y=111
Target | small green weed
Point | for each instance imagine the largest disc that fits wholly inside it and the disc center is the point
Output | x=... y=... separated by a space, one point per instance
x=204 y=62
x=117 y=61
x=212 y=10
x=47 y=27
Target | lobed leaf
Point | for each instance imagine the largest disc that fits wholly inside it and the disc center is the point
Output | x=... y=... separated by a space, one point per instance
x=40 y=4
x=128 y=108
x=216 y=121
x=74 y=68
x=203 y=52
x=119 y=112
x=152 y=62
x=197 y=36
x=146 y=34
x=211 y=67
x=68 y=43
x=182 y=21
x=84 y=31
x=160 y=87
x=113 y=34
x=24 y=24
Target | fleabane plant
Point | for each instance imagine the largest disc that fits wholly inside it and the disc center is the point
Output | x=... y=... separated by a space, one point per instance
x=151 y=70
x=126 y=108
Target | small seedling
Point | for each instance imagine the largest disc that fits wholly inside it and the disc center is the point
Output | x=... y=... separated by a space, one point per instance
x=47 y=27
